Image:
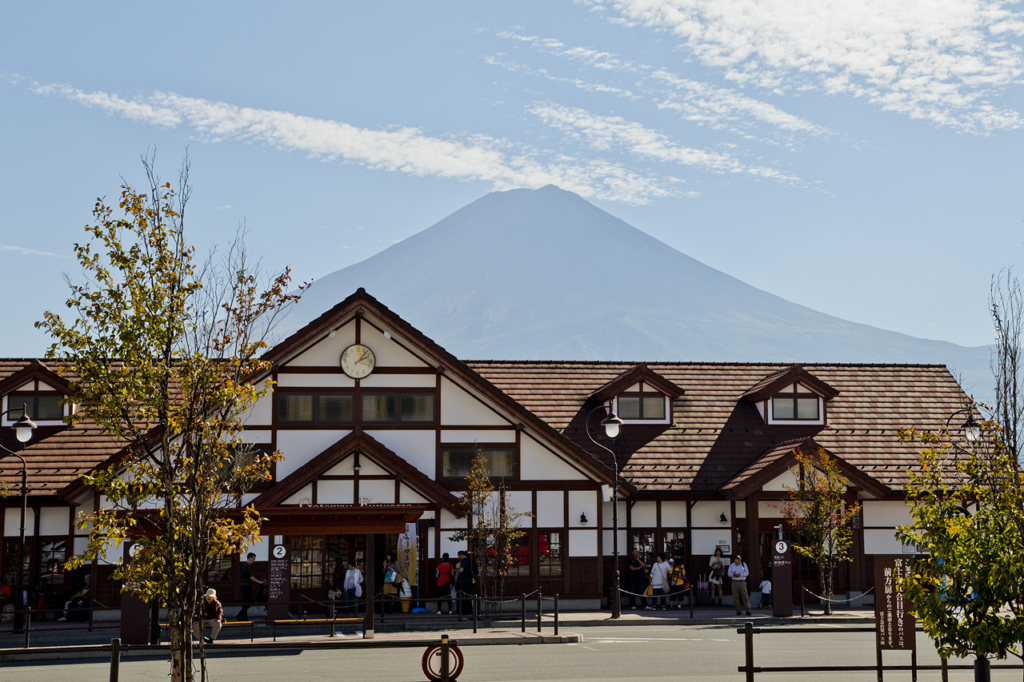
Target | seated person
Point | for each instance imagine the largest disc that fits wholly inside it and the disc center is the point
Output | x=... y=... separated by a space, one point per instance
x=212 y=616
x=79 y=600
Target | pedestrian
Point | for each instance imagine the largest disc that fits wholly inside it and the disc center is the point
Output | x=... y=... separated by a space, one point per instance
x=679 y=583
x=392 y=583
x=464 y=582
x=250 y=584
x=353 y=580
x=79 y=600
x=661 y=574
x=635 y=577
x=717 y=565
x=210 y=614
x=766 y=594
x=445 y=587
x=738 y=573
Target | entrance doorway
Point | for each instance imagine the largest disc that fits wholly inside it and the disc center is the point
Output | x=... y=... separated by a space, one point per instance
x=319 y=563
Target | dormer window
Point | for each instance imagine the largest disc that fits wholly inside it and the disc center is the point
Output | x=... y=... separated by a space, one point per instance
x=641 y=407
x=795 y=408
x=41 y=406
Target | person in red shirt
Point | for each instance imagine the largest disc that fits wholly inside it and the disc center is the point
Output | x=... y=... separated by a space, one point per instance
x=445 y=586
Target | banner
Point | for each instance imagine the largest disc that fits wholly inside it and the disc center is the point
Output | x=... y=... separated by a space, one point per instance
x=408 y=554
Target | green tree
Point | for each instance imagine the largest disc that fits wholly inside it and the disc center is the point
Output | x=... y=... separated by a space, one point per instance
x=164 y=351
x=493 y=536
x=821 y=517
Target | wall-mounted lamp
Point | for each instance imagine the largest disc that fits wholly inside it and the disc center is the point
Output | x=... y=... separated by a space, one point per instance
x=583 y=519
x=722 y=518
x=332 y=334
x=356 y=466
x=387 y=335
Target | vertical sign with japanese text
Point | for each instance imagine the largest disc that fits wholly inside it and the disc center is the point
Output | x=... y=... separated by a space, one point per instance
x=895 y=623
x=279 y=578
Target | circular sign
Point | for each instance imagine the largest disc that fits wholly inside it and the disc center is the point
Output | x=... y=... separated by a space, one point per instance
x=781 y=547
x=280 y=551
x=134 y=549
x=432 y=662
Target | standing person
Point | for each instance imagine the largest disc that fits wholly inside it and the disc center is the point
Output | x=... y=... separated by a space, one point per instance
x=660 y=580
x=635 y=577
x=766 y=594
x=392 y=580
x=211 y=614
x=717 y=565
x=353 y=578
x=250 y=583
x=444 y=583
x=738 y=573
x=679 y=584
x=464 y=582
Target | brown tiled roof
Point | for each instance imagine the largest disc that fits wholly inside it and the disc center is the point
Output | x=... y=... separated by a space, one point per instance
x=776 y=381
x=641 y=372
x=716 y=434
x=56 y=455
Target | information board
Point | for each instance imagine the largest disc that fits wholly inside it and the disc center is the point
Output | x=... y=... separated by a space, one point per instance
x=782 y=579
x=895 y=623
x=279 y=579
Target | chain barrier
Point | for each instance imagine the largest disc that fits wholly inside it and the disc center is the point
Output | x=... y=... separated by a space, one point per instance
x=510 y=601
x=839 y=601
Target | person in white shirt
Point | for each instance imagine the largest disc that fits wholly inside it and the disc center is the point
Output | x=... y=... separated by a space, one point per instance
x=660 y=581
x=766 y=594
x=353 y=578
x=738 y=573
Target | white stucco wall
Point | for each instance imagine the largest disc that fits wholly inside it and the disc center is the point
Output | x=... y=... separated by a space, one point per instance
x=550 y=508
x=538 y=463
x=458 y=407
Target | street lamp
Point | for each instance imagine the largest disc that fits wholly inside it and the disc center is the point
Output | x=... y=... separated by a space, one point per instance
x=611 y=424
x=23 y=429
x=971 y=428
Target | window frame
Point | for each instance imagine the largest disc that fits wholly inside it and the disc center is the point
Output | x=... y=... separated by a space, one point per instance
x=439 y=473
x=19 y=397
x=398 y=394
x=794 y=397
x=280 y=422
x=666 y=418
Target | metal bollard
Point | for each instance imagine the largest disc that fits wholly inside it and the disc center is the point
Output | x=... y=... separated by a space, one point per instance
x=333 y=616
x=28 y=624
x=444 y=658
x=748 y=637
x=556 y=615
x=115 y=659
x=522 y=604
x=540 y=608
x=690 y=590
x=476 y=610
x=802 y=602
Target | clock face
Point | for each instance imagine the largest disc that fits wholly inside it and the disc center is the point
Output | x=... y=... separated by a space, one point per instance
x=357 y=361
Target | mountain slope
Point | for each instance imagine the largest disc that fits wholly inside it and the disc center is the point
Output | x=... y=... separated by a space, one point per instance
x=541 y=274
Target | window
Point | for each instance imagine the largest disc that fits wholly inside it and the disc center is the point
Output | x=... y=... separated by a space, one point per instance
x=549 y=554
x=641 y=406
x=674 y=547
x=644 y=542
x=220 y=570
x=52 y=554
x=520 y=551
x=796 y=408
x=41 y=406
x=456 y=462
x=307 y=562
x=394 y=408
x=315 y=408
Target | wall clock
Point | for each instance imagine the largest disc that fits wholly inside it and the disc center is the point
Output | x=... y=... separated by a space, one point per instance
x=357 y=361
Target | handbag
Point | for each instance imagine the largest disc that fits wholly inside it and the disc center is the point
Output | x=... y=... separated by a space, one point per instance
x=359 y=590
x=389 y=577
x=649 y=592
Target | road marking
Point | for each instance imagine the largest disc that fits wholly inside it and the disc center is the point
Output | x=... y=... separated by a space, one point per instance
x=627 y=640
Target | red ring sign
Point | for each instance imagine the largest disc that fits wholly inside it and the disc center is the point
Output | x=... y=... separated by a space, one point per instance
x=432 y=662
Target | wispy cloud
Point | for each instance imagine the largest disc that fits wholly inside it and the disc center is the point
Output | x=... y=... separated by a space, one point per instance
x=938 y=60
x=695 y=101
x=223 y=208
x=589 y=86
x=605 y=132
x=402 y=150
x=30 y=252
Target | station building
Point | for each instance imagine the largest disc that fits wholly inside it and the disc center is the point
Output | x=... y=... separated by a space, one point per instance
x=376 y=447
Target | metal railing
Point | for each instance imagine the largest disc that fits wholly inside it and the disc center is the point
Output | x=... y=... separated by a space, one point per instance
x=750 y=668
x=116 y=648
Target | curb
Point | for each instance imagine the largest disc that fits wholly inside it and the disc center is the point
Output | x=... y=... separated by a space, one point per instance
x=30 y=655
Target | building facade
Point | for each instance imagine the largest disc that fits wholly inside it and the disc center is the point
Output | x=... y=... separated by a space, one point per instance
x=378 y=426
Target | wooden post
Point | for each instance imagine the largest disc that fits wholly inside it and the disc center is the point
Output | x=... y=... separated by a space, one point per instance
x=115 y=659
x=556 y=615
x=540 y=608
x=370 y=585
x=522 y=606
x=748 y=642
x=444 y=658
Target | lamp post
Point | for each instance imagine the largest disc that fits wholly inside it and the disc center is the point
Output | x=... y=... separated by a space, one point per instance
x=611 y=424
x=971 y=428
x=23 y=429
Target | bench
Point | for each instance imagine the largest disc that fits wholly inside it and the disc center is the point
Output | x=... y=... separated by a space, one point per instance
x=230 y=624
x=315 y=621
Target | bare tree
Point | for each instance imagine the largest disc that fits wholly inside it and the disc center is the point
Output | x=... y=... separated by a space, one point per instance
x=1006 y=303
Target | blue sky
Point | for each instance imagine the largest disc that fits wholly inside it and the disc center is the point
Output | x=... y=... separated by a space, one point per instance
x=860 y=158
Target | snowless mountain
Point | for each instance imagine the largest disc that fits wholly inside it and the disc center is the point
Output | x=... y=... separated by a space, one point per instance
x=544 y=274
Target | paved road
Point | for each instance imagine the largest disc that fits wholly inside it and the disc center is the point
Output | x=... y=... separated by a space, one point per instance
x=630 y=654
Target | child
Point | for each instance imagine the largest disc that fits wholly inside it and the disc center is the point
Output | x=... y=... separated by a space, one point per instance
x=766 y=594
